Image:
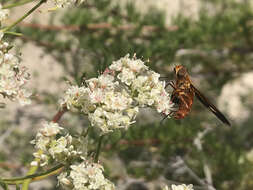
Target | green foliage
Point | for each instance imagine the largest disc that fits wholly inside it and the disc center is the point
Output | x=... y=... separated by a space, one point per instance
x=222 y=44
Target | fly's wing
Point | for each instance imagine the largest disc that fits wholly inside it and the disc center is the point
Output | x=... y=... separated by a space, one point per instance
x=210 y=106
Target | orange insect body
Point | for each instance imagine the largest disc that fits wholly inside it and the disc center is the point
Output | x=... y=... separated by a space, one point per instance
x=184 y=102
x=183 y=95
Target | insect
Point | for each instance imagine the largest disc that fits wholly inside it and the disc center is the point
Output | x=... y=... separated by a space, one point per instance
x=183 y=95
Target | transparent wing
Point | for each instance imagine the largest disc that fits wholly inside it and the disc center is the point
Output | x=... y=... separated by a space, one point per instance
x=210 y=106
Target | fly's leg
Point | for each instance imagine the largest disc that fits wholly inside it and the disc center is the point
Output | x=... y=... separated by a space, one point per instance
x=167 y=115
x=171 y=83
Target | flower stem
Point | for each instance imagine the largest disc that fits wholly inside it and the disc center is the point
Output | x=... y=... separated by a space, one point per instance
x=59 y=114
x=3 y=185
x=34 y=177
x=31 y=171
x=23 y=17
x=13 y=33
x=16 y=4
x=98 y=148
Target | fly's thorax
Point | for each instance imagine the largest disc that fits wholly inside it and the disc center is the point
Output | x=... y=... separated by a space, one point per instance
x=183 y=84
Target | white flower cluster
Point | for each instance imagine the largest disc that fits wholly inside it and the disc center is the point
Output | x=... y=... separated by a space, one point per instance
x=51 y=148
x=179 y=187
x=4 y=13
x=113 y=99
x=13 y=77
x=85 y=176
x=64 y=3
x=144 y=84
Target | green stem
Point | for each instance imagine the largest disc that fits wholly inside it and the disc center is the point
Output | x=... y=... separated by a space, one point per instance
x=98 y=148
x=28 y=180
x=14 y=33
x=16 y=4
x=23 y=17
x=34 y=177
x=32 y=170
x=3 y=185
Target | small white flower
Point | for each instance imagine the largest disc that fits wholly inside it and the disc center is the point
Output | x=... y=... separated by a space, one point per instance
x=89 y=176
x=58 y=146
x=117 y=100
x=126 y=76
x=23 y=97
x=136 y=65
x=139 y=83
x=41 y=142
x=132 y=112
x=34 y=163
x=182 y=187
x=117 y=120
x=106 y=81
x=4 y=13
x=78 y=97
x=116 y=65
x=50 y=129
x=63 y=180
x=64 y=3
x=52 y=145
x=97 y=96
x=43 y=158
x=92 y=83
x=98 y=118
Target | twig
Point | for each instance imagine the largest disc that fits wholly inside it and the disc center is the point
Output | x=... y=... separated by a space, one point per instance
x=195 y=176
x=198 y=140
x=23 y=17
x=59 y=114
x=9 y=165
x=206 y=168
x=19 y=3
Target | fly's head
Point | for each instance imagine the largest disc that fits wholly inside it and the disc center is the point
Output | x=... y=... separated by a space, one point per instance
x=180 y=71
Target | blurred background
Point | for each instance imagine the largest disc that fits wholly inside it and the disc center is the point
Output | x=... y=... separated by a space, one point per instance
x=213 y=39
